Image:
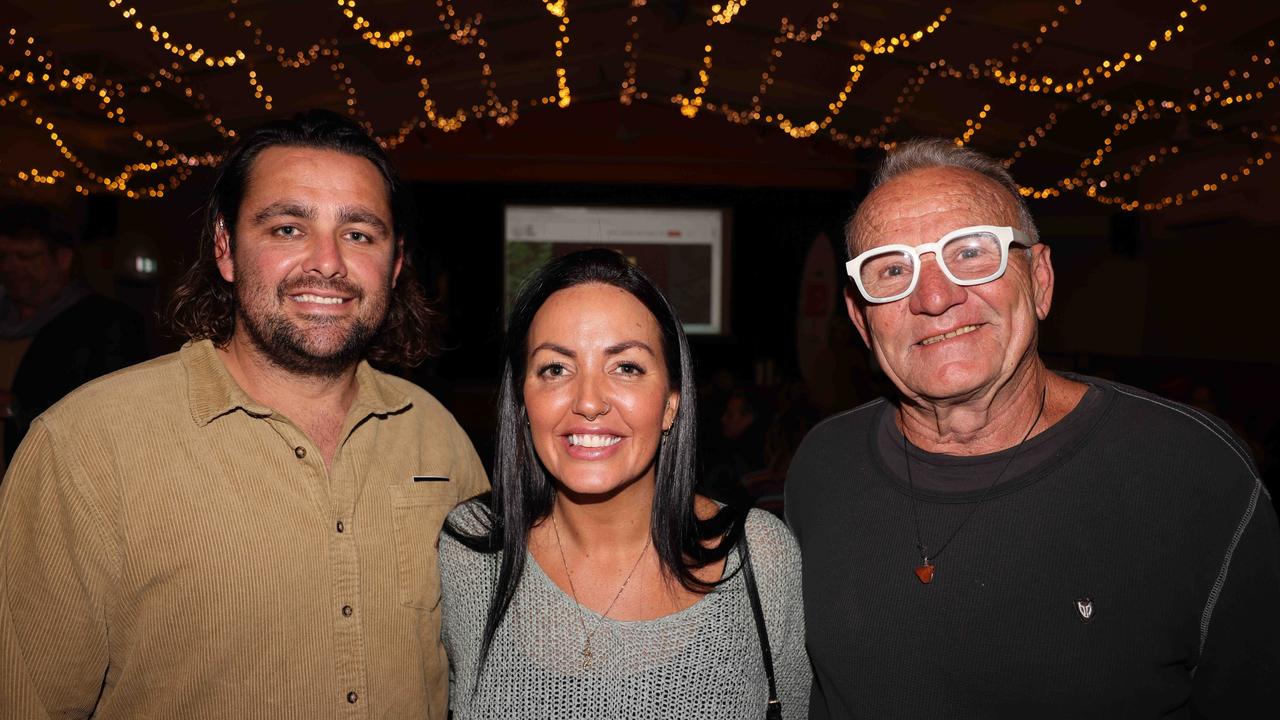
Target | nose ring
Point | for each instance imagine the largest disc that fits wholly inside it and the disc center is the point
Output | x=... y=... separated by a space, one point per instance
x=604 y=411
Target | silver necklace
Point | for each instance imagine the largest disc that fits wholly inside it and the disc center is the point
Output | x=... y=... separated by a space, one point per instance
x=587 y=655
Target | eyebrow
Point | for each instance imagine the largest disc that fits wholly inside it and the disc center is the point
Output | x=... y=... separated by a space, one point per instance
x=611 y=350
x=284 y=207
x=629 y=345
x=555 y=349
x=355 y=214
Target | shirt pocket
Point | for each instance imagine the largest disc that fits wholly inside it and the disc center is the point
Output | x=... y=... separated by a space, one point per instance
x=418 y=512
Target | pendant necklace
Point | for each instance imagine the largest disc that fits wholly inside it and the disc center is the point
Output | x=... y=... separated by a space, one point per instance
x=587 y=655
x=926 y=569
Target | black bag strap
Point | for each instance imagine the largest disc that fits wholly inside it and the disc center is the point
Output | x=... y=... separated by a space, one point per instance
x=773 y=710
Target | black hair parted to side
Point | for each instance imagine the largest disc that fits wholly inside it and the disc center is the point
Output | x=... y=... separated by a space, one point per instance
x=204 y=304
x=523 y=492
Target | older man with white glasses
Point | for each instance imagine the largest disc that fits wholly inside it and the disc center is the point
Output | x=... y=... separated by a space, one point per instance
x=998 y=540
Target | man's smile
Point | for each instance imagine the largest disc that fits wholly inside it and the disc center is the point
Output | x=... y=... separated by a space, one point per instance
x=318 y=299
x=962 y=330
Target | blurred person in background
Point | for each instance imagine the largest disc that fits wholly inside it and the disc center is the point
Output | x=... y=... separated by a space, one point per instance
x=55 y=333
x=738 y=447
x=795 y=416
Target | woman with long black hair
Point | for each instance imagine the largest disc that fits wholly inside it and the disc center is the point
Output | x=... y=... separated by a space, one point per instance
x=592 y=582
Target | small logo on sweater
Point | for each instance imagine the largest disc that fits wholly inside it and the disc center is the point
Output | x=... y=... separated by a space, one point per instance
x=1084 y=606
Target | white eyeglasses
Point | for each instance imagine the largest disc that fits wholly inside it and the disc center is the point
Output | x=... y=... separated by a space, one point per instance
x=968 y=256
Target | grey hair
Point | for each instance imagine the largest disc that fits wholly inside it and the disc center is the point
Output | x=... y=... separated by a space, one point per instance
x=925 y=153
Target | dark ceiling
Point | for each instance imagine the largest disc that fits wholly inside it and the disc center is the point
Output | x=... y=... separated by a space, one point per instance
x=1174 y=100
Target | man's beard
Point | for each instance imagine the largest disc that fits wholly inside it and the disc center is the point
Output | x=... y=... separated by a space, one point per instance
x=285 y=344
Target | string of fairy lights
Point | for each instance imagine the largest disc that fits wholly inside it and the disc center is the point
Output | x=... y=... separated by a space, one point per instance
x=37 y=80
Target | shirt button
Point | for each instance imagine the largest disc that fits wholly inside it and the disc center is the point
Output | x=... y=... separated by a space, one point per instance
x=346 y=611
x=300 y=452
x=352 y=697
x=341 y=527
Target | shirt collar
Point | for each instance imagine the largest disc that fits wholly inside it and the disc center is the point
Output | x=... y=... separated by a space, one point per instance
x=212 y=392
x=376 y=394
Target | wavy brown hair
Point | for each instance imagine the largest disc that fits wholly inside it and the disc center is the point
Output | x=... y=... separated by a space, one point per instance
x=203 y=304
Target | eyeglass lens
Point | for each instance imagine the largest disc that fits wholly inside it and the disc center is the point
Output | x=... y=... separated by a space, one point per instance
x=975 y=256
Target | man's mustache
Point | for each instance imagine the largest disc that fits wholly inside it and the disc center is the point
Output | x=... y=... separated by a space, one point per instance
x=337 y=285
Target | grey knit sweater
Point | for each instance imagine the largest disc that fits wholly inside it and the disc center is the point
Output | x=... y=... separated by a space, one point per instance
x=701 y=662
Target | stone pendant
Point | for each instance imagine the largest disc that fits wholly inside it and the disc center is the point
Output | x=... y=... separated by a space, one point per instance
x=925 y=572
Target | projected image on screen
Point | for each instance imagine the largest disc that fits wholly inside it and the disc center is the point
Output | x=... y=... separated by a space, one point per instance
x=680 y=249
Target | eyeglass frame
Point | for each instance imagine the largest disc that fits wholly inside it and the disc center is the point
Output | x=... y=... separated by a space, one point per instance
x=1005 y=234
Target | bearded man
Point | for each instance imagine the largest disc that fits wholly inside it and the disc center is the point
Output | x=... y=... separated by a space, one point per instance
x=998 y=540
x=246 y=528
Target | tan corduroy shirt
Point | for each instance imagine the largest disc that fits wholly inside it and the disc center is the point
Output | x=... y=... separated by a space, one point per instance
x=171 y=549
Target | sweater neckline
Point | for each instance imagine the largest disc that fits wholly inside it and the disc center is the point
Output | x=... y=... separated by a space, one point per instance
x=696 y=607
x=1097 y=410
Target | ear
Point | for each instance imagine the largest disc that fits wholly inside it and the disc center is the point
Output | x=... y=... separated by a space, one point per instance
x=1041 y=279
x=222 y=250
x=857 y=313
x=399 y=261
x=673 y=408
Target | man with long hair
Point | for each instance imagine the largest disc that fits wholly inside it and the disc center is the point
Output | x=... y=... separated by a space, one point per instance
x=246 y=528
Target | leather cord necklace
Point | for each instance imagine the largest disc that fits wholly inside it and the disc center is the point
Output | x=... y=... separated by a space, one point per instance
x=925 y=571
x=587 y=655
